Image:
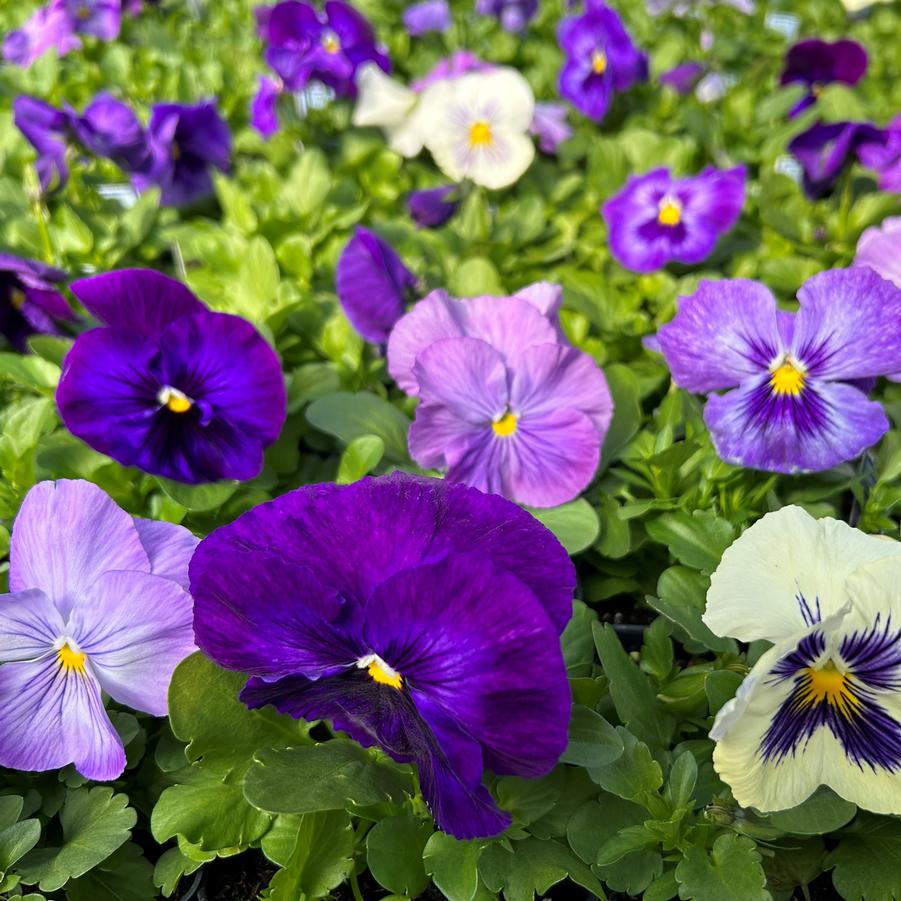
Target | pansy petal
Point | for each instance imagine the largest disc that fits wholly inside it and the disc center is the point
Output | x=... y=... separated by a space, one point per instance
x=420 y=622
x=29 y=625
x=438 y=433
x=786 y=572
x=849 y=325
x=169 y=547
x=50 y=717
x=141 y=301
x=135 y=628
x=725 y=332
x=827 y=424
x=494 y=167
x=66 y=535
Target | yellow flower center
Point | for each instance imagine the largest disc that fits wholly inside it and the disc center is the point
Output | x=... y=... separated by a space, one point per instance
x=17 y=298
x=599 y=62
x=174 y=400
x=84 y=12
x=71 y=660
x=505 y=426
x=331 y=43
x=787 y=379
x=480 y=134
x=831 y=686
x=380 y=672
x=669 y=212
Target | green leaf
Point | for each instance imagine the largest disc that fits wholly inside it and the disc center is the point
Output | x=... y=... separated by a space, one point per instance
x=824 y=811
x=530 y=799
x=125 y=875
x=95 y=822
x=309 y=183
x=697 y=539
x=575 y=524
x=730 y=872
x=867 y=862
x=10 y=809
x=453 y=865
x=720 y=686
x=632 y=776
x=360 y=457
x=322 y=859
x=329 y=776
x=170 y=868
x=593 y=742
x=625 y=391
x=681 y=782
x=199 y=498
x=394 y=848
x=348 y=416
x=682 y=598
x=474 y=277
x=51 y=348
x=234 y=202
x=32 y=372
x=255 y=292
x=635 y=700
x=17 y=840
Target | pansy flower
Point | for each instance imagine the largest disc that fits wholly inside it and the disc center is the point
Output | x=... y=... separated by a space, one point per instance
x=880 y=249
x=50 y=27
x=101 y=18
x=683 y=78
x=432 y=207
x=549 y=125
x=823 y=705
x=47 y=129
x=372 y=284
x=167 y=385
x=97 y=603
x=815 y=63
x=600 y=59
x=264 y=106
x=411 y=613
x=30 y=301
x=109 y=128
x=884 y=157
x=657 y=219
x=304 y=45
x=426 y=17
x=186 y=143
x=790 y=403
x=514 y=15
x=505 y=404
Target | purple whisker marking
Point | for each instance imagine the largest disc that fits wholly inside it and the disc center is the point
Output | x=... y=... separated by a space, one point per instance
x=810 y=618
x=875 y=655
x=807 y=412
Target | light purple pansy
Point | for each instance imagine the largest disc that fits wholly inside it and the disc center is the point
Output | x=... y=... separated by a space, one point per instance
x=109 y=128
x=506 y=405
x=459 y=63
x=101 y=18
x=549 y=125
x=50 y=27
x=884 y=157
x=372 y=284
x=793 y=401
x=98 y=602
x=684 y=77
x=657 y=219
x=514 y=15
x=427 y=17
x=880 y=249
x=264 y=107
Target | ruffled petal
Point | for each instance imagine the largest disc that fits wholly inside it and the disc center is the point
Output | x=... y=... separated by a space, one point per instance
x=169 y=547
x=66 y=535
x=29 y=625
x=439 y=434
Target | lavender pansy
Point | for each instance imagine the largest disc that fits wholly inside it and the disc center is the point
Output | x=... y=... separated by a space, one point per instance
x=683 y=78
x=46 y=128
x=412 y=614
x=880 y=249
x=884 y=157
x=514 y=15
x=97 y=602
x=823 y=705
x=30 y=301
x=815 y=63
x=186 y=143
x=304 y=44
x=657 y=219
x=427 y=17
x=50 y=27
x=101 y=18
x=109 y=128
x=432 y=207
x=168 y=386
x=505 y=404
x=600 y=59
x=790 y=404
x=549 y=125
x=372 y=284
x=264 y=107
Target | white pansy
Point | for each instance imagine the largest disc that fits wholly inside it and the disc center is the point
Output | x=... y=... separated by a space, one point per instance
x=823 y=705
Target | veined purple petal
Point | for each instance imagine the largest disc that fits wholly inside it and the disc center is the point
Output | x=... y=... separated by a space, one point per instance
x=880 y=249
x=169 y=547
x=29 y=625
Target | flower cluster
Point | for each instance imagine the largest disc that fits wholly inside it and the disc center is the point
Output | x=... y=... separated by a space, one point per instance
x=30 y=301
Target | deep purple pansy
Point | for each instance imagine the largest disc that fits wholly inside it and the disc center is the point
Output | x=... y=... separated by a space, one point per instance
x=506 y=404
x=600 y=59
x=109 y=128
x=426 y=17
x=372 y=284
x=514 y=15
x=167 y=385
x=790 y=403
x=657 y=219
x=46 y=128
x=305 y=45
x=815 y=63
x=186 y=143
x=683 y=78
x=824 y=150
x=432 y=207
x=97 y=603
x=549 y=125
x=411 y=613
x=264 y=107
x=30 y=301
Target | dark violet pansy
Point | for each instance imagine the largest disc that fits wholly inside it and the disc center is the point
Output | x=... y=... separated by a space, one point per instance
x=683 y=78
x=30 y=301
x=514 y=15
x=46 y=128
x=657 y=219
x=305 y=45
x=109 y=128
x=417 y=616
x=186 y=143
x=264 y=107
x=600 y=59
x=815 y=63
x=432 y=207
x=167 y=385
x=549 y=125
x=884 y=157
x=372 y=284
x=426 y=17
x=824 y=150
x=790 y=403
